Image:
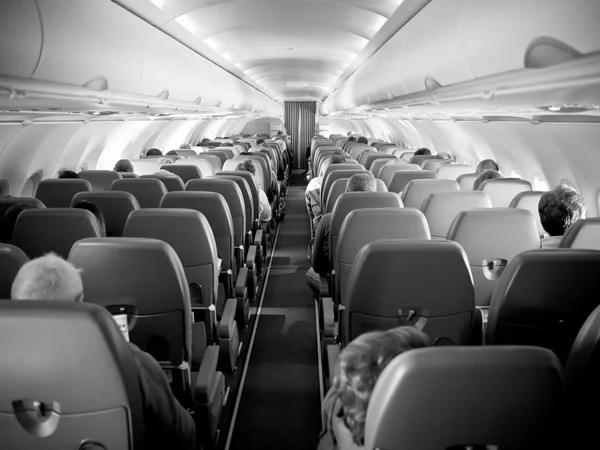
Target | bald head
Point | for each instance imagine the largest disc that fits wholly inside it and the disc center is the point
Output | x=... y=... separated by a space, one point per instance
x=48 y=277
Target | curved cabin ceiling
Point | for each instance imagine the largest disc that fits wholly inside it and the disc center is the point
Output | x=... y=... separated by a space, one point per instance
x=288 y=49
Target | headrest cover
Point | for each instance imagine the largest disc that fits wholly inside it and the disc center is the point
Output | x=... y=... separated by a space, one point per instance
x=524 y=405
x=490 y=233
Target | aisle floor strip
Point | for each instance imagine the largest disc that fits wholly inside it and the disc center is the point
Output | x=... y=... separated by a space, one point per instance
x=251 y=345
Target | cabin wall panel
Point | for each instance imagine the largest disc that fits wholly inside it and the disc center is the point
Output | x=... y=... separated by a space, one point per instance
x=34 y=148
x=85 y=147
x=259 y=126
x=20 y=37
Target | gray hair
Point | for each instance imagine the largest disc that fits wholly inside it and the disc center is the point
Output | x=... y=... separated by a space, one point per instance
x=361 y=182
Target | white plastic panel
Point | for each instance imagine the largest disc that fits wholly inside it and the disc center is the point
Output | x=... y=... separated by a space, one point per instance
x=20 y=37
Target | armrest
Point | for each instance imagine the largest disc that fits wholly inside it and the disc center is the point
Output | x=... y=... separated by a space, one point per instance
x=333 y=354
x=240 y=283
x=323 y=286
x=328 y=316
x=258 y=238
x=227 y=322
x=239 y=255
x=206 y=375
x=251 y=257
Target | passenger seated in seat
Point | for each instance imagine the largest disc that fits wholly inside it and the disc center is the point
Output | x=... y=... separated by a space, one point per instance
x=167 y=423
x=123 y=165
x=93 y=208
x=559 y=209
x=321 y=259
x=487 y=164
x=356 y=372
x=264 y=208
x=7 y=226
x=185 y=146
x=362 y=140
x=313 y=191
x=327 y=161
x=422 y=152
x=483 y=176
x=68 y=174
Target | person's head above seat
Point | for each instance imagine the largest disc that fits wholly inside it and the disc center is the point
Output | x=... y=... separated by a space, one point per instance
x=487 y=164
x=364 y=182
x=352 y=138
x=65 y=174
x=484 y=176
x=336 y=159
x=185 y=146
x=260 y=141
x=422 y=152
x=443 y=155
x=560 y=208
x=362 y=140
x=93 y=208
x=123 y=165
x=359 y=366
x=48 y=277
x=154 y=152
x=246 y=166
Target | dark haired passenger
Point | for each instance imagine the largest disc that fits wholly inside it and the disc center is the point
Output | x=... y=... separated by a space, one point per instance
x=559 y=209
x=93 y=208
x=352 y=138
x=9 y=220
x=321 y=259
x=123 y=166
x=487 y=164
x=65 y=174
x=356 y=372
x=423 y=151
x=362 y=140
x=172 y=153
x=154 y=152
x=185 y=146
x=167 y=423
x=484 y=176
x=264 y=208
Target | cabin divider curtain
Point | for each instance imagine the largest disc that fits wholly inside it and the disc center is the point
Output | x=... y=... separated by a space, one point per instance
x=300 y=121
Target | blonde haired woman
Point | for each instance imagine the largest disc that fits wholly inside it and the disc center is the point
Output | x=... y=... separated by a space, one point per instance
x=356 y=372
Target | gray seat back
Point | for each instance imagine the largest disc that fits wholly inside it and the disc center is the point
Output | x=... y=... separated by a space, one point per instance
x=100 y=179
x=583 y=234
x=190 y=235
x=402 y=177
x=434 y=164
x=184 y=171
x=453 y=171
x=334 y=175
x=466 y=181
x=115 y=207
x=172 y=182
x=416 y=191
x=40 y=231
x=387 y=172
x=58 y=192
x=146 y=278
x=250 y=182
x=529 y=200
x=73 y=379
x=246 y=191
x=203 y=165
x=524 y=405
x=147 y=191
x=11 y=260
x=502 y=191
x=214 y=160
x=4 y=187
x=489 y=234
x=378 y=164
x=391 y=278
x=535 y=301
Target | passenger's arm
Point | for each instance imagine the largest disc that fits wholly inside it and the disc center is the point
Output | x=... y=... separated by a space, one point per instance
x=320 y=255
x=166 y=421
x=265 y=207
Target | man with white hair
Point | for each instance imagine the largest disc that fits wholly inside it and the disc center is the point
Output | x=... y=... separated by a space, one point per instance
x=168 y=424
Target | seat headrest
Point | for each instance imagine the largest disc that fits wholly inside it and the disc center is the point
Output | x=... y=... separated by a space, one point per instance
x=349 y=201
x=213 y=159
x=440 y=208
x=100 y=179
x=145 y=273
x=416 y=191
x=363 y=226
x=82 y=347
x=583 y=234
x=146 y=165
x=204 y=165
x=466 y=181
x=391 y=167
x=129 y=175
x=453 y=171
x=433 y=164
x=147 y=191
x=185 y=172
x=529 y=200
x=7 y=202
x=11 y=260
x=501 y=191
x=115 y=207
x=58 y=192
x=538 y=288
x=400 y=178
x=421 y=389
x=489 y=233
x=418 y=160
x=229 y=189
x=186 y=153
x=172 y=182
x=40 y=231
x=186 y=230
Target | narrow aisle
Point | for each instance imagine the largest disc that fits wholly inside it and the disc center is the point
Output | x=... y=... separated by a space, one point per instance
x=280 y=402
